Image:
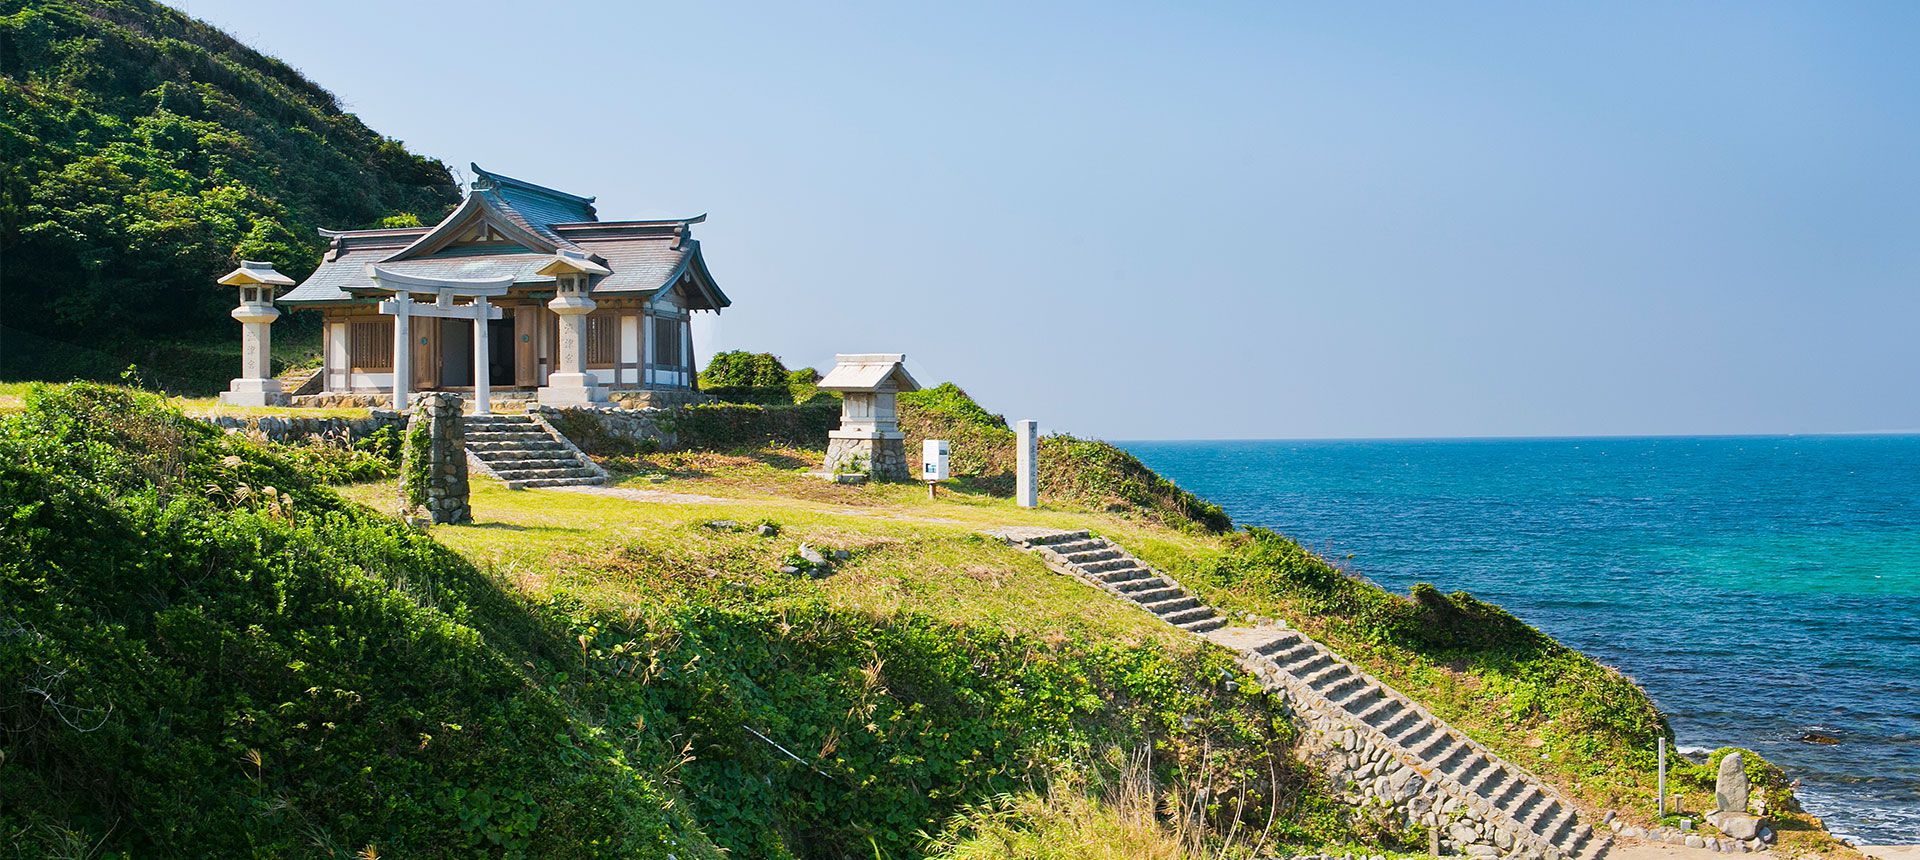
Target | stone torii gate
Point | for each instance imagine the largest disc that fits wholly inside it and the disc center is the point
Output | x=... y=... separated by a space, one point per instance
x=403 y=308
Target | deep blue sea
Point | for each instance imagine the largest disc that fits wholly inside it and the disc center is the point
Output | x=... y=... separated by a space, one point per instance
x=1758 y=588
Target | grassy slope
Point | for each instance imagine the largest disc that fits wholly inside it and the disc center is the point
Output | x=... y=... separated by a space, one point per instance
x=936 y=676
x=1583 y=726
x=221 y=669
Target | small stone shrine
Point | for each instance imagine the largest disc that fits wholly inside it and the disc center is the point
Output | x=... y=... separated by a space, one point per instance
x=1731 y=792
x=256 y=313
x=869 y=443
x=433 y=469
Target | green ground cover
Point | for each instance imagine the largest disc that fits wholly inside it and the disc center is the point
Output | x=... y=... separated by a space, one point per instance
x=228 y=657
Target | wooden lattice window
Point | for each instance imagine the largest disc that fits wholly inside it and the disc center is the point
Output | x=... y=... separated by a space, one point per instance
x=370 y=345
x=666 y=343
x=603 y=339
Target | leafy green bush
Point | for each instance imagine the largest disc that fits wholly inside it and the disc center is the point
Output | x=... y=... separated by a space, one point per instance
x=740 y=369
x=758 y=377
x=736 y=426
x=209 y=654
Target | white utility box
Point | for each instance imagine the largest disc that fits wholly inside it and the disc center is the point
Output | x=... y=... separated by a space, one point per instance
x=933 y=460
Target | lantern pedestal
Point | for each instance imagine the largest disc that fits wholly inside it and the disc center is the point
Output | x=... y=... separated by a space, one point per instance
x=256 y=313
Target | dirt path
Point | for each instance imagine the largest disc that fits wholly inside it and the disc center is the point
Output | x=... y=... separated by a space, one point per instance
x=1892 y=852
x=668 y=497
x=1640 y=849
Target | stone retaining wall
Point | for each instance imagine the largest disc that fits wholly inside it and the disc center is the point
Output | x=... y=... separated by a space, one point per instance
x=297 y=429
x=611 y=430
x=1375 y=780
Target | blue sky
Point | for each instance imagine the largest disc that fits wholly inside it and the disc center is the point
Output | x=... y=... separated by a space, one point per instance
x=1232 y=221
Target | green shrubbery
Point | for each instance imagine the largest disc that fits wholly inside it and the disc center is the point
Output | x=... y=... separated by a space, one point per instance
x=737 y=426
x=759 y=377
x=215 y=655
x=1084 y=472
x=209 y=654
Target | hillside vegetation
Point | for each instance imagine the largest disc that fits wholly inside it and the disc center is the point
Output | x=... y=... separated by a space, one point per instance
x=220 y=656
x=145 y=154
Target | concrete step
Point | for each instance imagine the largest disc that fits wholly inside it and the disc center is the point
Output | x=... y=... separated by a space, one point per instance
x=540 y=444
x=531 y=474
x=1203 y=625
x=530 y=463
x=515 y=436
x=535 y=483
x=1146 y=583
x=1164 y=607
x=1155 y=595
x=1185 y=616
x=1087 y=556
x=1062 y=537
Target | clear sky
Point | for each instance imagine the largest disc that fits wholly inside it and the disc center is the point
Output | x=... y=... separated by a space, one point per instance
x=1235 y=220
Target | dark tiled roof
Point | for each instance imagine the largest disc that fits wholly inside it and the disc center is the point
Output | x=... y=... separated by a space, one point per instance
x=642 y=256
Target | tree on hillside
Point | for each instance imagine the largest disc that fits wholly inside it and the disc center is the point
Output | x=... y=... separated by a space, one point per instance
x=145 y=153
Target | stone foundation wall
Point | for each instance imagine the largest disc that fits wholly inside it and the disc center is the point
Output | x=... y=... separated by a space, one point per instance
x=298 y=429
x=879 y=459
x=609 y=430
x=662 y=398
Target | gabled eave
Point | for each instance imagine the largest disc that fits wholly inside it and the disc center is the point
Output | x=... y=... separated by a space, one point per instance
x=693 y=269
x=476 y=206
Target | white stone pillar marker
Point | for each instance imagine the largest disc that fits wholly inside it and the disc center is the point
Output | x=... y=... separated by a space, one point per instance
x=482 y=360
x=256 y=313
x=1026 y=492
x=401 y=306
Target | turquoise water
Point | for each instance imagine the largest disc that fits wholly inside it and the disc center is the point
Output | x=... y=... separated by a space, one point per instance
x=1758 y=588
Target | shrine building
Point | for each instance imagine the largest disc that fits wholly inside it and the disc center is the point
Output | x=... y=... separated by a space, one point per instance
x=520 y=291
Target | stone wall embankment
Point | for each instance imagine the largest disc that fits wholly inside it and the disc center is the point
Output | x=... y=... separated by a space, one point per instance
x=298 y=429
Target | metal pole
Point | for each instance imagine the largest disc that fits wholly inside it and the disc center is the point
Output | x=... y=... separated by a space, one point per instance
x=1662 y=802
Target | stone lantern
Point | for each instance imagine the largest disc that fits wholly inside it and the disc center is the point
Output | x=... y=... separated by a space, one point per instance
x=256 y=385
x=570 y=384
x=869 y=442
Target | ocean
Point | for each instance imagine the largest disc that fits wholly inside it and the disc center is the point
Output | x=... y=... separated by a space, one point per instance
x=1758 y=588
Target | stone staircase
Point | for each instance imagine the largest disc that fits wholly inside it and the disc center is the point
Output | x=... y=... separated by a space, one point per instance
x=1393 y=751
x=525 y=452
x=1100 y=563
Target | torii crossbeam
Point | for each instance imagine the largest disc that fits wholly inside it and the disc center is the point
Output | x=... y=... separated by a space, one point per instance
x=402 y=308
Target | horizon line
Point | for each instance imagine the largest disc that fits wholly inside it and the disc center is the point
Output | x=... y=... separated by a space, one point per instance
x=1536 y=438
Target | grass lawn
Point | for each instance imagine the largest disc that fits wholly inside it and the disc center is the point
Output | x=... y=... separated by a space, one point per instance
x=647 y=541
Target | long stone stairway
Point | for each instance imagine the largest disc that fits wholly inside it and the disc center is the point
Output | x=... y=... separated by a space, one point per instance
x=525 y=452
x=1383 y=745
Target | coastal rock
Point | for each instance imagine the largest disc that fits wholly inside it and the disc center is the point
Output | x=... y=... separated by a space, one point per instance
x=1694 y=841
x=1731 y=789
x=1739 y=825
